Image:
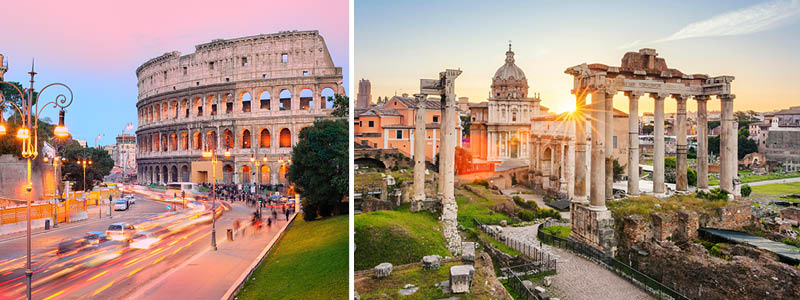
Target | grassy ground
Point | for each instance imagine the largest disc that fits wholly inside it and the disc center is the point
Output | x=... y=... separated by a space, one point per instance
x=775 y=191
x=747 y=177
x=309 y=262
x=645 y=205
x=371 y=288
x=558 y=231
x=375 y=178
x=398 y=237
x=472 y=206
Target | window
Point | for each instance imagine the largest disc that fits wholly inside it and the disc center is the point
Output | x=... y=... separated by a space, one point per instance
x=615 y=142
x=399 y=135
x=227 y=79
x=435 y=119
x=285 y=57
x=213 y=109
x=211 y=65
x=228 y=107
x=264 y=76
x=514 y=117
x=371 y=123
x=165 y=75
x=244 y=61
x=185 y=71
x=305 y=73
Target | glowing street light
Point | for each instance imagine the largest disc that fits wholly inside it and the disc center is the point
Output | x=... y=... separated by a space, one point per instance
x=212 y=153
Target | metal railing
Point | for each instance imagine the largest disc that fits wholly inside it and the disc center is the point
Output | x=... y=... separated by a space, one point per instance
x=652 y=286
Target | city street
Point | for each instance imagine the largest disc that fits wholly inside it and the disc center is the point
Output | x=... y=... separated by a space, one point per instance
x=113 y=270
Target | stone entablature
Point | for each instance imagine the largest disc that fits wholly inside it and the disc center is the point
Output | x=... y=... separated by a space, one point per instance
x=186 y=107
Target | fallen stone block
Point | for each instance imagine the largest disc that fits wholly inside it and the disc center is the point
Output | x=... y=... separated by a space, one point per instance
x=468 y=252
x=431 y=262
x=461 y=278
x=382 y=270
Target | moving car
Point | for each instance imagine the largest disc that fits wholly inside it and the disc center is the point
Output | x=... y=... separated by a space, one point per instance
x=69 y=244
x=94 y=238
x=120 y=204
x=121 y=231
x=131 y=199
x=145 y=239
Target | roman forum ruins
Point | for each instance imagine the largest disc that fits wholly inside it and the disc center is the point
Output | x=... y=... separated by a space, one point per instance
x=204 y=100
x=444 y=86
x=641 y=73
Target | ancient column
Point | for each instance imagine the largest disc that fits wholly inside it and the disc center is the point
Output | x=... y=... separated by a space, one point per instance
x=449 y=205
x=725 y=147
x=658 y=146
x=442 y=143
x=419 y=154
x=609 y=141
x=633 y=142
x=580 y=147
x=570 y=170
x=681 y=181
x=597 y=193
x=702 y=142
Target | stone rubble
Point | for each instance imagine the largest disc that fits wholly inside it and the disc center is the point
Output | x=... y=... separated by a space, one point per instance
x=383 y=270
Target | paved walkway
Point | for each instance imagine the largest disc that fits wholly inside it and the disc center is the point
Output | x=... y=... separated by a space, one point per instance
x=578 y=278
x=210 y=274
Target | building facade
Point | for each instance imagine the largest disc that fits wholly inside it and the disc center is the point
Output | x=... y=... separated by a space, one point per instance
x=250 y=96
x=364 y=96
x=782 y=143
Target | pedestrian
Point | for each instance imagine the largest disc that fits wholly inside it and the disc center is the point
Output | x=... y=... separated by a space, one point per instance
x=287 y=215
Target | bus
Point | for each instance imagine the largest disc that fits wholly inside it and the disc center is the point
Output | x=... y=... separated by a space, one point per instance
x=177 y=188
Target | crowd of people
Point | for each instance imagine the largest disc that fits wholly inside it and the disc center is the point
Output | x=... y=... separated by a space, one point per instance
x=254 y=198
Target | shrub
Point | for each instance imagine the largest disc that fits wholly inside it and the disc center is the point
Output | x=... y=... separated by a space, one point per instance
x=526 y=215
x=716 y=250
x=525 y=204
x=746 y=190
x=715 y=194
x=691 y=175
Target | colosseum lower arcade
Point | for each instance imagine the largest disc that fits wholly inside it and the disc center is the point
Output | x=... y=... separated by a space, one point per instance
x=251 y=96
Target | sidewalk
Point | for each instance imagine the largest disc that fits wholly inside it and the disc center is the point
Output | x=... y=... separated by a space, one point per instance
x=209 y=274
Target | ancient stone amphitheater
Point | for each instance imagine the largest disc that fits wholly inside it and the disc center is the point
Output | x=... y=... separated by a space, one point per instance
x=251 y=96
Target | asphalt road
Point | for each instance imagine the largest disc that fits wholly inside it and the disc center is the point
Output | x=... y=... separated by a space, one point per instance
x=111 y=271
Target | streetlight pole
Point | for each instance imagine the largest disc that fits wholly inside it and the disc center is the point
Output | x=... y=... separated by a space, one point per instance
x=257 y=165
x=212 y=153
x=28 y=132
x=56 y=193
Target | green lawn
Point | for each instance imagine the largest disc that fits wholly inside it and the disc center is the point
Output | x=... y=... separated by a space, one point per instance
x=309 y=262
x=472 y=206
x=561 y=231
x=776 y=190
x=645 y=205
x=396 y=236
x=746 y=177
x=426 y=280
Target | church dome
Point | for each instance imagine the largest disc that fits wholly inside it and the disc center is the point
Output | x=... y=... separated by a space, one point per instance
x=509 y=69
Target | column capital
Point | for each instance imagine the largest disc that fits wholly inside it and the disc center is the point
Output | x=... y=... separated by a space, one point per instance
x=701 y=97
x=681 y=97
x=659 y=96
x=727 y=97
x=634 y=94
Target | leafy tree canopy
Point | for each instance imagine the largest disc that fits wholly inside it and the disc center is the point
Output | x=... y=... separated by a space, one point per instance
x=101 y=164
x=341 y=106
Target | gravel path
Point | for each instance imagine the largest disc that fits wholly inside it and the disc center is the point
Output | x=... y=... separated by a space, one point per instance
x=578 y=278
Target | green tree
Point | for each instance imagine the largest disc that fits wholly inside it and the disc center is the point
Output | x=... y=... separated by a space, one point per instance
x=100 y=167
x=341 y=106
x=320 y=167
x=618 y=170
x=647 y=129
x=746 y=190
x=466 y=121
x=713 y=145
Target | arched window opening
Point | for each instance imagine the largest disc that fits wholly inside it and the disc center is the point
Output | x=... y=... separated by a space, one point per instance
x=265 y=100
x=328 y=94
x=285 y=100
x=285 y=138
x=246 y=139
x=246 y=102
x=264 y=141
x=306 y=99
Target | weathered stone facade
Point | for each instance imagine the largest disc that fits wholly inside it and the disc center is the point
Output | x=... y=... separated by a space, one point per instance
x=249 y=95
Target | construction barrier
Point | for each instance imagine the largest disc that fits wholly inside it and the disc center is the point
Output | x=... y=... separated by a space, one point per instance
x=75 y=202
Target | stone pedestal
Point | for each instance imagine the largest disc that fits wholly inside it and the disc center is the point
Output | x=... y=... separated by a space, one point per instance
x=431 y=262
x=461 y=278
x=468 y=252
x=595 y=227
x=382 y=270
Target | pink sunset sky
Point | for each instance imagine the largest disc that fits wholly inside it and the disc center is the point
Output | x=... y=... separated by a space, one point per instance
x=96 y=46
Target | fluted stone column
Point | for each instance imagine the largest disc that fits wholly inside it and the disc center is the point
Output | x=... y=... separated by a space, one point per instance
x=681 y=181
x=580 y=148
x=726 y=149
x=633 y=143
x=702 y=141
x=597 y=193
x=419 y=154
x=442 y=142
x=609 y=140
x=658 y=145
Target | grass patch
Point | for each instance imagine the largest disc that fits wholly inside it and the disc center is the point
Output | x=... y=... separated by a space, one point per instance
x=646 y=205
x=777 y=189
x=309 y=262
x=396 y=236
x=375 y=178
x=561 y=231
x=495 y=243
x=426 y=280
x=472 y=206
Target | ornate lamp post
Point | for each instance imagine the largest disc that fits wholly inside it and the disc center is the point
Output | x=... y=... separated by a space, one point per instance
x=257 y=164
x=212 y=153
x=28 y=133
x=56 y=193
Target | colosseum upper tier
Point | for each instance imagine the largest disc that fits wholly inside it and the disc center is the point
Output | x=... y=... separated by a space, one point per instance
x=250 y=96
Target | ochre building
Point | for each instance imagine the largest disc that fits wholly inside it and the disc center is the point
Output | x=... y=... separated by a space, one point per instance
x=251 y=96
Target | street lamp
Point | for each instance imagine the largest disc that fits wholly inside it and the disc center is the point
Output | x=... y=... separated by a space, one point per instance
x=212 y=153
x=83 y=163
x=257 y=164
x=56 y=193
x=29 y=113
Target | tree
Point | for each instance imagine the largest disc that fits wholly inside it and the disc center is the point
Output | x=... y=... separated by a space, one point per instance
x=647 y=129
x=101 y=164
x=320 y=167
x=466 y=121
x=618 y=170
x=713 y=145
x=341 y=106
x=746 y=146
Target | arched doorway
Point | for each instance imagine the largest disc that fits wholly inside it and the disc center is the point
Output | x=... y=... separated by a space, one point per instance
x=285 y=138
x=174 y=174
x=265 y=174
x=185 y=174
x=245 y=174
x=264 y=141
x=227 y=174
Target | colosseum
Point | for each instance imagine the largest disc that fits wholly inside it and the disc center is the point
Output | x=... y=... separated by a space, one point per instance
x=250 y=96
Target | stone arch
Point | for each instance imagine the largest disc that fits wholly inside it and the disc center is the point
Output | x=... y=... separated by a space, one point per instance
x=185 y=173
x=245 y=174
x=306 y=99
x=164 y=143
x=328 y=95
x=197 y=140
x=246 y=99
x=264 y=138
x=173 y=174
x=285 y=138
x=227 y=173
x=285 y=100
x=158 y=112
x=211 y=139
x=246 y=139
x=184 y=140
x=164 y=174
x=228 y=100
x=264 y=98
x=173 y=141
x=282 y=174
x=211 y=102
x=265 y=173
x=227 y=139
x=173 y=106
x=197 y=106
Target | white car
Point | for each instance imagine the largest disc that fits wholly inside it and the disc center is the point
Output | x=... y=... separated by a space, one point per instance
x=143 y=240
x=131 y=199
x=121 y=204
x=120 y=231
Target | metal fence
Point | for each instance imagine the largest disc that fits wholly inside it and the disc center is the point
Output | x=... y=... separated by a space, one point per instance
x=652 y=286
x=522 y=292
